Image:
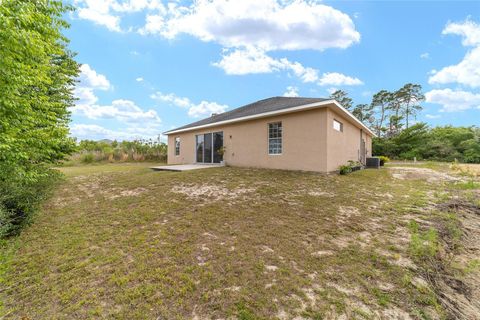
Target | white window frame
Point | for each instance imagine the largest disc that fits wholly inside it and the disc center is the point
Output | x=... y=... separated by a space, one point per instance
x=177 y=146
x=280 y=138
x=340 y=124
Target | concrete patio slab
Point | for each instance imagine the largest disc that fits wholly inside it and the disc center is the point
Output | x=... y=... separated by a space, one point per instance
x=186 y=167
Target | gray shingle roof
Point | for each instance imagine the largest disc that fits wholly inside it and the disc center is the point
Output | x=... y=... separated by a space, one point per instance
x=262 y=106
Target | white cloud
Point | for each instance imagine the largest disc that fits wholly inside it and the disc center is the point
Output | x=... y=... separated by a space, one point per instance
x=425 y=55
x=153 y=24
x=467 y=71
x=122 y=110
x=108 y=13
x=139 y=79
x=248 y=61
x=206 y=108
x=137 y=121
x=248 y=29
x=98 y=11
x=202 y=109
x=453 y=101
x=338 y=79
x=266 y=24
x=90 y=78
x=306 y=74
x=172 y=99
x=469 y=30
x=291 y=92
x=85 y=96
x=130 y=6
x=97 y=132
x=433 y=116
x=252 y=61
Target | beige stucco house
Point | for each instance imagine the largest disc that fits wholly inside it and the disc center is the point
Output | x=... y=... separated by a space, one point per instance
x=309 y=134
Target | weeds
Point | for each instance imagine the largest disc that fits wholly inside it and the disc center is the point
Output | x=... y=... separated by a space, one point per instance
x=423 y=244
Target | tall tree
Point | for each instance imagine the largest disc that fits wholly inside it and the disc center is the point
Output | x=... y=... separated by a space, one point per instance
x=37 y=76
x=342 y=97
x=381 y=101
x=395 y=117
x=410 y=95
x=364 y=113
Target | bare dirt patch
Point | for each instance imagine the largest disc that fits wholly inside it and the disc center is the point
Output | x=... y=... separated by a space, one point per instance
x=92 y=187
x=212 y=192
x=347 y=212
x=127 y=193
x=411 y=173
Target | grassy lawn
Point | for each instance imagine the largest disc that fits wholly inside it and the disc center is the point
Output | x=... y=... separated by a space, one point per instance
x=122 y=241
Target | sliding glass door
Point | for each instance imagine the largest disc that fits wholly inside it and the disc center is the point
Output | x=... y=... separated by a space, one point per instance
x=209 y=147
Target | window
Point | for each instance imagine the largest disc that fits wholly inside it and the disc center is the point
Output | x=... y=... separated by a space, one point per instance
x=275 y=138
x=177 y=146
x=337 y=125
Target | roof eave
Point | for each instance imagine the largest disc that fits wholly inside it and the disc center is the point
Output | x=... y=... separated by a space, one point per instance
x=276 y=112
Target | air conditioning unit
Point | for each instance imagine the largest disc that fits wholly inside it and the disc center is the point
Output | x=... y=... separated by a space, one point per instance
x=373 y=162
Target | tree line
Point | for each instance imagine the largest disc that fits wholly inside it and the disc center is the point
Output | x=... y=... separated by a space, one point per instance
x=390 y=115
x=89 y=151
x=388 y=112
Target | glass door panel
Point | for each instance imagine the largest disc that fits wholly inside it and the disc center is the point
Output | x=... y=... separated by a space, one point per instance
x=217 y=147
x=207 y=154
x=199 y=147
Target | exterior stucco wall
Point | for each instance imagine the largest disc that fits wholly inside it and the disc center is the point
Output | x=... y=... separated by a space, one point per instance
x=344 y=146
x=303 y=144
x=309 y=142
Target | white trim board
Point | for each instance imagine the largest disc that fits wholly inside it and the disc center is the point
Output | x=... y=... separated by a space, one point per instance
x=277 y=112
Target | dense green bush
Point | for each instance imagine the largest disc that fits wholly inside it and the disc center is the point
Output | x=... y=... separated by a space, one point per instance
x=87 y=158
x=37 y=77
x=344 y=169
x=349 y=167
x=440 y=143
x=383 y=160
x=20 y=199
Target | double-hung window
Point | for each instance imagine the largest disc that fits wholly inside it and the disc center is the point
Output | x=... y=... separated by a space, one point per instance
x=177 y=146
x=275 y=138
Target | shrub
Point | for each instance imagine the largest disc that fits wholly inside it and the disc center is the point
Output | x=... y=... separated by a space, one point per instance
x=87 y=158
x=345 y=169
x=19 y=200
x=383 y=160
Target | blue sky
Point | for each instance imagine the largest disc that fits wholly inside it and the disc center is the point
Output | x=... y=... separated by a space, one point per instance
x=152 y=65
